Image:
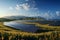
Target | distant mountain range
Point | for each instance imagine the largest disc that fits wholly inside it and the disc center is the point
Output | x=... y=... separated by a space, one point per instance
x=14 y=17
x=25 y=18
x=29 y=18
x=41 y=20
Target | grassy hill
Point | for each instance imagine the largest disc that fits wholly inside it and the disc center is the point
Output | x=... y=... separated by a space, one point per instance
x=4 y=19
x=7 y=33
x=24 y=18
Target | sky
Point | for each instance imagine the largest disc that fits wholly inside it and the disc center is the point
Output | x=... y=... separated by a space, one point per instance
x=49 y=9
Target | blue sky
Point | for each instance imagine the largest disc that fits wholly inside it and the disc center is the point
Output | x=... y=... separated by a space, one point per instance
x=44 y=8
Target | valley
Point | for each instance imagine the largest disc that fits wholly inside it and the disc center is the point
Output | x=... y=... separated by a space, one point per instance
x=18 y=30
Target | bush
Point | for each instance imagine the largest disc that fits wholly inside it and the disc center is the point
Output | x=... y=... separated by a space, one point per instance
x=6 y=36
x=0 y=36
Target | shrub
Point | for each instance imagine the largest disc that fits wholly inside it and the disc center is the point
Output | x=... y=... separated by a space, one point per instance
x=6 y=36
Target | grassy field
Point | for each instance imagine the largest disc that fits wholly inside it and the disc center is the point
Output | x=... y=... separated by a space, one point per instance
x=7 y=33
x=45 y=26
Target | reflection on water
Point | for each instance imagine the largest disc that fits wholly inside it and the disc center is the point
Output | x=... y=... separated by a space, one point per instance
x=24 y=27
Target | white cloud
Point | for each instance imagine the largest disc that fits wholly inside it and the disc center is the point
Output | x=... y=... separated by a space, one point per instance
x=11 y=8
x=17 y=7
x=46 y=15
x=58 y=13
x=26 y=6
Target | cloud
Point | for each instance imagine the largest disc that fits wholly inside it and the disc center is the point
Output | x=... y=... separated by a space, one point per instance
x=58 y=13
x=17 y=7
x=47 y=15
x=11 y=8
x=26 y=6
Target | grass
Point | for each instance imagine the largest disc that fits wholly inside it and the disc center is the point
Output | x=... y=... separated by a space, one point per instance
x=7 y=33
x=55 y=28
x=45 y=26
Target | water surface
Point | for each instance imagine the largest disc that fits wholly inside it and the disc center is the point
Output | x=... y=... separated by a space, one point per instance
x=25 y=27
x=21 y=26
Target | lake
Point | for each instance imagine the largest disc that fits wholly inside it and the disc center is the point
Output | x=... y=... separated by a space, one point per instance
x=21 y=26
x=24 y=27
